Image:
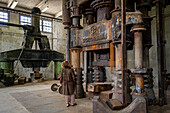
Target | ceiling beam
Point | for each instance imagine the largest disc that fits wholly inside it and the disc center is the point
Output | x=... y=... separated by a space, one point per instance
x=58 y=14
x=43 y=2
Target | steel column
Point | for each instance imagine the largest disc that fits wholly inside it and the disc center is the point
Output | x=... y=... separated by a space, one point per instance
x=124 y=52
x=68 y=43
x=139 y=71
x=160 y=53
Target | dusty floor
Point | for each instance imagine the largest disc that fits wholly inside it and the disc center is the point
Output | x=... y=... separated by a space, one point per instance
x=38 y=98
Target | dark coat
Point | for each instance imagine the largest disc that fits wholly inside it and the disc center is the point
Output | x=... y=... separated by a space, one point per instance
x=68 y=81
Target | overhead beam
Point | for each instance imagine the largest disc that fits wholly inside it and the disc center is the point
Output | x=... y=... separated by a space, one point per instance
x=58 y=14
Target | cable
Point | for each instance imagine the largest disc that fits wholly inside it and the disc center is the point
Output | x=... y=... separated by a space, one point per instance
x=23 y=45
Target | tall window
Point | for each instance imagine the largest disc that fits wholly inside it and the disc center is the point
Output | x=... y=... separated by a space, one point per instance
x=46 y=26
x=25 y=20
x=4 y=16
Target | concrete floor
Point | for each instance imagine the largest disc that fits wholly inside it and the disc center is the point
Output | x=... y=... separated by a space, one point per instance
x=38 y=98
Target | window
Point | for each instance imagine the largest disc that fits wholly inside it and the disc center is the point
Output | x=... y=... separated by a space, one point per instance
x=4 y=16
x=46 y=26
x=25 y=20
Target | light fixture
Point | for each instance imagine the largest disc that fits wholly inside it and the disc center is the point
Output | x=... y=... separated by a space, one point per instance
x=12 y=4
x=9 y=3
x=45 y=9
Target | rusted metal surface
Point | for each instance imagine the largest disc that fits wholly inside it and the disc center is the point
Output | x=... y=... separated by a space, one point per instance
x=99 y=74
x=105 y=95
x=138 y=50
x=105 y=31
x=138 y=71
x=79 y=84
x=66 y=13
x=103 y=9
x=112 y=57
x=137 y=106
x=117 y=78
x=75 y=62
x=75 y=57
x=144 y=6
x=96 y=47
x=124 y=52
x=99 y=87
x=89 y=15
x=106 y=38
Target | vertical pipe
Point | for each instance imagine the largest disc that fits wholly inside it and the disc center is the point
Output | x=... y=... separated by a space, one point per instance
x=85 y=69
x=124 y=52
x=139 y=60
x=160 y=53
x=66 y=13
x=75 y=55
x=68 y=44
x=138 y=50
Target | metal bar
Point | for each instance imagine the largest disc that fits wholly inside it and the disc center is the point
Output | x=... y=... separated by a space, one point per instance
x=124 y=51
x=16 y=25
x=160 y=52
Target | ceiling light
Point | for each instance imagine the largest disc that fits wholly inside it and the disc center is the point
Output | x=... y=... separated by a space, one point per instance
x=9 y=3
x=45 y=9
x=13 y=4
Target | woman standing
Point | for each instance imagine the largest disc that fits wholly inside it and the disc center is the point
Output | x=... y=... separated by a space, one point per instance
x=68 y=83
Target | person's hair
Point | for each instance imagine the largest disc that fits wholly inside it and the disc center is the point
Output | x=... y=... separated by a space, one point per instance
x=65 y=64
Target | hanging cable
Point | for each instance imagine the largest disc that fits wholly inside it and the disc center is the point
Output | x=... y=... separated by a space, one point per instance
x=23 y=45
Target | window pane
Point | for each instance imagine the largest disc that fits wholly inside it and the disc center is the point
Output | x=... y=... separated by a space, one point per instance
x=25 y=20
x=3 y=16
x=46 y=26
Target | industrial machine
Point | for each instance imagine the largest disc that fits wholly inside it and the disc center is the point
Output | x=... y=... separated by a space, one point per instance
x=30 y=58
x=111 y=28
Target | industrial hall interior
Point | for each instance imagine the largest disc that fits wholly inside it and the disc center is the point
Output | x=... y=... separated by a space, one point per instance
x=84 y=56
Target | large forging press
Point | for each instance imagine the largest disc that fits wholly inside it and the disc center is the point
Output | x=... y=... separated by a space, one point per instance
x=29 y=57
x=111 y=28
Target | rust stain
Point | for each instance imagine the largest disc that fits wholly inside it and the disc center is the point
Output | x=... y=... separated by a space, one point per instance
x=94 y=46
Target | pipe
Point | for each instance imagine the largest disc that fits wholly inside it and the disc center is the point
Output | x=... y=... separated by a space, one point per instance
x=68 y=44
x=66 y=13
x=138 y=50
x=124 y=52
x=139 y=60
x=160 y=54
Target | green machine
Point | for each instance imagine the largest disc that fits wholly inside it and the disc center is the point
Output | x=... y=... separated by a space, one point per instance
x=57 y=70
x=6 y=73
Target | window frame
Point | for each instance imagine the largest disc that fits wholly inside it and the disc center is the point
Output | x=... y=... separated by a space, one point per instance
x=5 y=19
x=25 y=16
x=41 y=21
